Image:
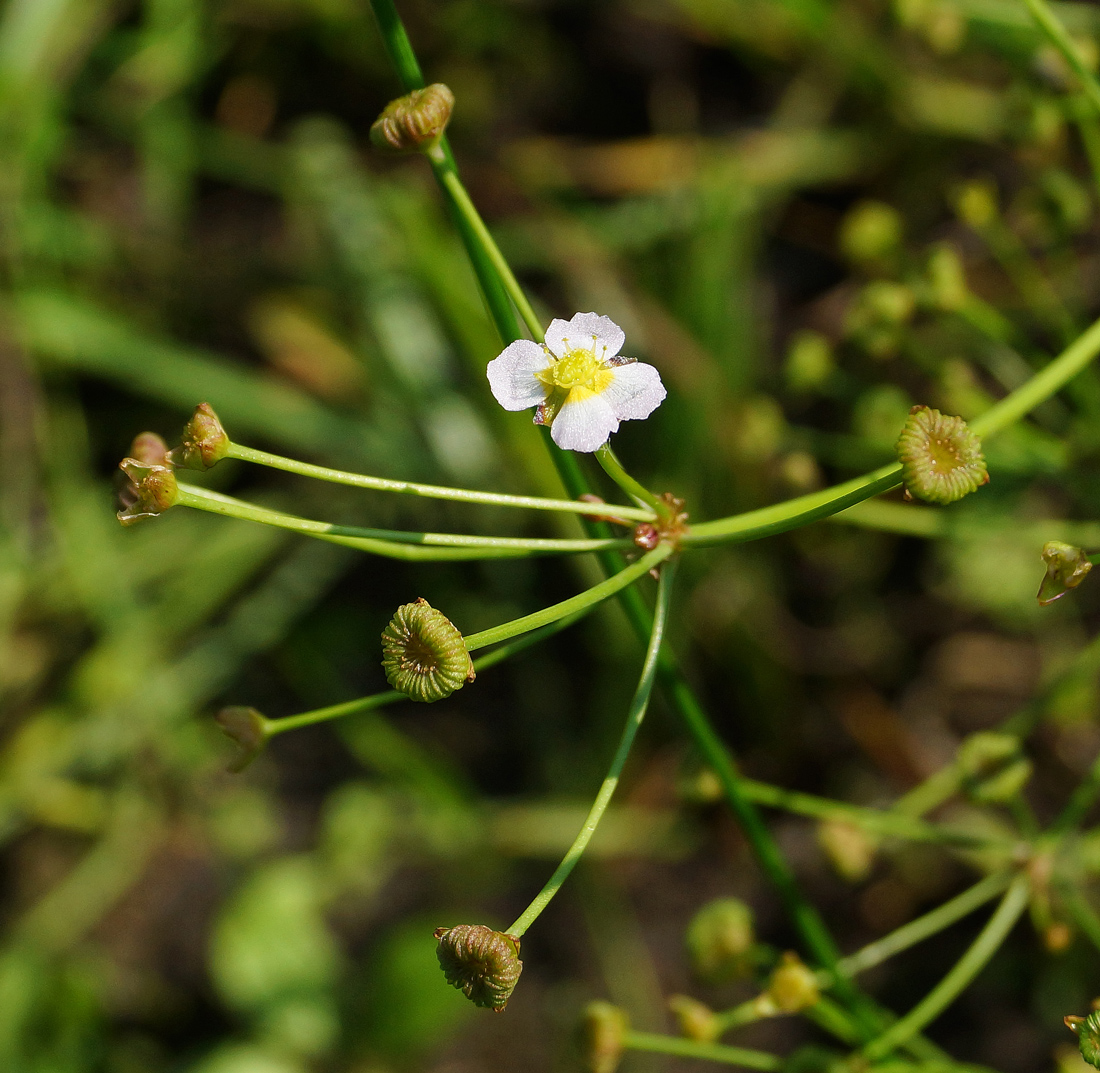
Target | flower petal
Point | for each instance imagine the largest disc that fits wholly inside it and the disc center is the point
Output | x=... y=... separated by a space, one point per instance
x=584 y=331
x=583 y=423
x=635 y=392
x=512 y=375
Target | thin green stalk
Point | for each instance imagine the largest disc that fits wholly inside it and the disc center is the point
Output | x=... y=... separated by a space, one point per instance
x=880 y=821
x=797 y=512
x=633 y=488
x=272 y=727
x=916 y=931
x=1056 y=33
x=968 y=966
x=447 y=175
x=710 y=1052
x=1079 y=803
x=400 y=51
x=395 y=544
x=434 y=491
x=1084 y=916
x=588 y=598
x=1045 y=383
x=635 y=715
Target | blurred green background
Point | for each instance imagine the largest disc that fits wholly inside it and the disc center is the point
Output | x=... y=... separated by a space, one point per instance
x=808 y=214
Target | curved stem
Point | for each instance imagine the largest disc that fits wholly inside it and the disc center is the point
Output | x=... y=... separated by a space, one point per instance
x=434 y=491
x=395 y=544
x=635 y=715
x=633 y=488
x=924 y=927
x=588 y=598
x=968 y=966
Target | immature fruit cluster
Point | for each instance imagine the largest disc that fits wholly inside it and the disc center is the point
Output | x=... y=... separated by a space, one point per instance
x=941 y=459
x=483 y=964
x=424 y=656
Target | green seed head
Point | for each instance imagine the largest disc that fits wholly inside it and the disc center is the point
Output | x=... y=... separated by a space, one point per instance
x=793 y=986
x=483 y=964
x=941 y=458
x=414 y=122
x=246 y=727
x=424 y=656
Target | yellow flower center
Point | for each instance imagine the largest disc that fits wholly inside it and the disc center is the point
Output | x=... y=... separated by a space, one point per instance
x=578 y=371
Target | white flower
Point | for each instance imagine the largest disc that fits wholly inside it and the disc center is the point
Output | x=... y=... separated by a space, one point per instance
x=581 y=386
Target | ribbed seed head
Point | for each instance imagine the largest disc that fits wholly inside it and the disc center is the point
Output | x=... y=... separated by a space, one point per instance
x=204 y=442
x=483 y=964
x=941 y=458
x=424 y=656
x=696 y=1019
x=415 y=121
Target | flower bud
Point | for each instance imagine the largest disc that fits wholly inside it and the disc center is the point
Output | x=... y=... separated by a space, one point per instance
x=149 y=449
x=1087 y=1030
x=602 y=1033
x=151 y=490
x=414 y=122
x=992 y=768
x=696 y=1019
x=793 y=986
x=204 y=442
x=976 y=204
x=1066 y=569
x=247 y=728
x=719 y=939
x=941 y=458
x=483 y=964
x=850 y=849
x=423 y=654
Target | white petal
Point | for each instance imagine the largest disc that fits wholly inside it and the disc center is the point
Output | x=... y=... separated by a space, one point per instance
x=512 y=375
x=635 y=392
x=584 y=332
x=583 y=424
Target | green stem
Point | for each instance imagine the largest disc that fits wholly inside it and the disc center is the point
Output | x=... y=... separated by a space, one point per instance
x=1045 y=383
x=394 y=544
x=633 y=488
x=1084 y=916
x=1060 y=39
x=635 y=715
x=272 y=727
x=1082 y=800
x=883 y=822
x=408 y=71
x=711 y=1052
x=447 y=176
x=794 y=513
x=588 y=598
x=924 y=927
x=434 y=491
x=968 y=966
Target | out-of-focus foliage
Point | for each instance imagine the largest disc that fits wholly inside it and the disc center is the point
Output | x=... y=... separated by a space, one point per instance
x=809 y=214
